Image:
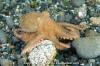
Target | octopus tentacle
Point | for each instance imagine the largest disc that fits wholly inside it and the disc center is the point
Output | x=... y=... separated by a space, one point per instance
x=61 y=46
x=69 y=31
x=72 y=26
x=67 y=35
x=73 y=33
x=64 y=35
x=58 y=44
x=32 y=43
x=25 y=36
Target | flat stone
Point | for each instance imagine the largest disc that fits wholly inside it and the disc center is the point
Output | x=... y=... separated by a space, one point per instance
x=88 y=47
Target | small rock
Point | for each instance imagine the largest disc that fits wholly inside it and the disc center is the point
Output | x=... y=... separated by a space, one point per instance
x=9 y=21
x=5 y=62
x=78 y=2
x=5 y=47
x=91 y=33
x=95 y=21
x=97 y=3
x=91 y=60
x=82 y=11
x=87 y=47
x=60 y=18
x=7 y=1
x=92 y=11
x=3 y=36
x=21 y=62
x=14 y=56
x=68 y=17
x=91 y=2
x=1 y=5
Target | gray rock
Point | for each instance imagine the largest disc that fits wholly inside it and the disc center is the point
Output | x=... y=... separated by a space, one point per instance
x=68 y=17
x=91 y=2
x=3 y=37
x=9 y=21
x=90 y=33
x=21 y=62
x=78 y=2
x=97 y=3
x=60 y=18
x=82 y=11
x=1 y=5
x=5 y=62
x=88 y=47
x=7 y=1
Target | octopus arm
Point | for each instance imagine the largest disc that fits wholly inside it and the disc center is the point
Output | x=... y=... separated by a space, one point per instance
x=72 y=26
x=72 y=32
x=25 y=36
x=58 y=44
x=32 y=43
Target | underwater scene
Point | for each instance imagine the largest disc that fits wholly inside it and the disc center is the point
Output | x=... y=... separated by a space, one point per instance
x=49 y=32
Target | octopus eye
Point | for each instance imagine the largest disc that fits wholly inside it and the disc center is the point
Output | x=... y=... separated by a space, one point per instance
x=20 y=32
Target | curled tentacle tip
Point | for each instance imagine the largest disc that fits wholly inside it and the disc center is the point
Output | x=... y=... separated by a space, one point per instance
x=23 y=52
x=84 y=26
x=68 y=46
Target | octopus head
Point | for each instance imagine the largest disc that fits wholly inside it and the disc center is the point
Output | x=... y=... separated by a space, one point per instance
x=28 y=22
x=44 y=17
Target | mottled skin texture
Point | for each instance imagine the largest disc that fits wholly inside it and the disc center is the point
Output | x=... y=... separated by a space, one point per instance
x=43 y=27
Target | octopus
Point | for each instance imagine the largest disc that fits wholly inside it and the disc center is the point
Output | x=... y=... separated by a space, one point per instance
x=38 y=26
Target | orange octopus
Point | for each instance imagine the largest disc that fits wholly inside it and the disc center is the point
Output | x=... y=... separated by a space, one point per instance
x=38 y=26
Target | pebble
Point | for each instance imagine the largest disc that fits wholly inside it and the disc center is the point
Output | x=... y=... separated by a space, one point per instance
x=78 y=2
x=3 y=36
x=21 y=62
x=82 y=11
x=92 y=11
x=90 y=33
x=60 y=18
x=1 y=5
x=9 y=21
x=68 y=17
x=5 y=62
x=91 y=2
x=97 y=3
x=95 y=21
x=87 y=47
